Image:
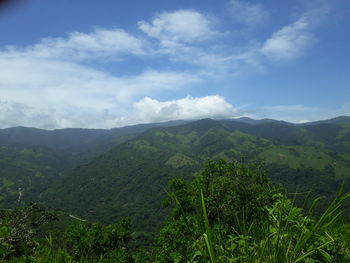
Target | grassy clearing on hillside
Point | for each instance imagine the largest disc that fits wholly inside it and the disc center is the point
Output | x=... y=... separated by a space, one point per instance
x=296 y=156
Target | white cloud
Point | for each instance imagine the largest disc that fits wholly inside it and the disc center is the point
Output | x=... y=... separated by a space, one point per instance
x=179 y=26
x=289 y=42
x=57 y=83
x=152 y=110
x=248 y=13
x=143 y=111
x=47 y=85
x=73 y=95
x=45 y=116
x=81 y=46
x=182 y=39
x=49 y=78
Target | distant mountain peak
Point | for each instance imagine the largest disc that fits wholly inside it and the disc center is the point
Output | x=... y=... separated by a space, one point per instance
x=252 y=121
x=204 y=124
x=340 y=120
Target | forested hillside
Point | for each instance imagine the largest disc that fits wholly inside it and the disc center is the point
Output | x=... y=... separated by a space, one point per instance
x=130 y=179
x=105 y=175
x=74 y=142
x=231 y=212
x=32 y=159
x=27 y=171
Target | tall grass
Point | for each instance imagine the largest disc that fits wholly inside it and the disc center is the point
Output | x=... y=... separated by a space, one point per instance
x=285 y=235
x=207 y=235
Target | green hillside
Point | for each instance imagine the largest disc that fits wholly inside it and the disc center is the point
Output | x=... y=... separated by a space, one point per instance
x=80 y=144
x=130 y=179
x=32 y=159
x=231 y=212
x=25 y=172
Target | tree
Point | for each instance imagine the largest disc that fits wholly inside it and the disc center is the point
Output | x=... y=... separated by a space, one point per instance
x=18 y=228
x=235 y=193
x=233 y=213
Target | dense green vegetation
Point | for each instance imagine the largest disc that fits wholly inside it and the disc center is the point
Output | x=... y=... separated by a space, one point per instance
x=231 y=212
x=31 y=160
x=74 y=142
x=99 y=177
x=130 y=179
x=26 y=172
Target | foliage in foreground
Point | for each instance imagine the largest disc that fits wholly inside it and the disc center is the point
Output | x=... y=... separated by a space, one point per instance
x=231 y=213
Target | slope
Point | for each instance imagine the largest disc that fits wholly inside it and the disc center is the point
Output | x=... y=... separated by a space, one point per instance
x=32 y=159
x=130 y=179
x=25 y=172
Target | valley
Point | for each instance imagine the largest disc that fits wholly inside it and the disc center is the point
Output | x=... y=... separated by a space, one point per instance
x=105 y=175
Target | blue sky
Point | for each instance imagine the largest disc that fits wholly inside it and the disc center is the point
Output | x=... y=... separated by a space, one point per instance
x=103 y=64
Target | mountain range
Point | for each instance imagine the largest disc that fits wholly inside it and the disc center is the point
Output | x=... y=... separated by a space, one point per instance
x=103 y=175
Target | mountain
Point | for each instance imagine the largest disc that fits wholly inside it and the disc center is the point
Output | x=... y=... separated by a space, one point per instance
x=341 y=120
x=32 y=159
x=74 y=141
x=256 y=122
x=131 y=178
x=27 y=171
x=103 y=175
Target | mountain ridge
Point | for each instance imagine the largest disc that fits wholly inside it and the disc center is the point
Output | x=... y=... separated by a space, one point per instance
x=144 y=158
x=134 y=174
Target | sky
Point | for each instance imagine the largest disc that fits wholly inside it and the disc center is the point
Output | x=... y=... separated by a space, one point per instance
x=105 y=64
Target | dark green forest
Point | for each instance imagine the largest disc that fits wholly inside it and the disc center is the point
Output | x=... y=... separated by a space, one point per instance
x=272 y=192
x=231 y=212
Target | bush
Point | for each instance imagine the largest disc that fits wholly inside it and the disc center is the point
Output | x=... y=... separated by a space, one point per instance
x=95 y=241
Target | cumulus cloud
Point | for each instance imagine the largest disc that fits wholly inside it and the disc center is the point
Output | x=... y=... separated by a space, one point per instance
x=179 y=26
x=143 y=111
x=289 y=42
x=49 y=84
x=248 y=13
x=52 y=93
x=83 y=79
x=152 y=110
